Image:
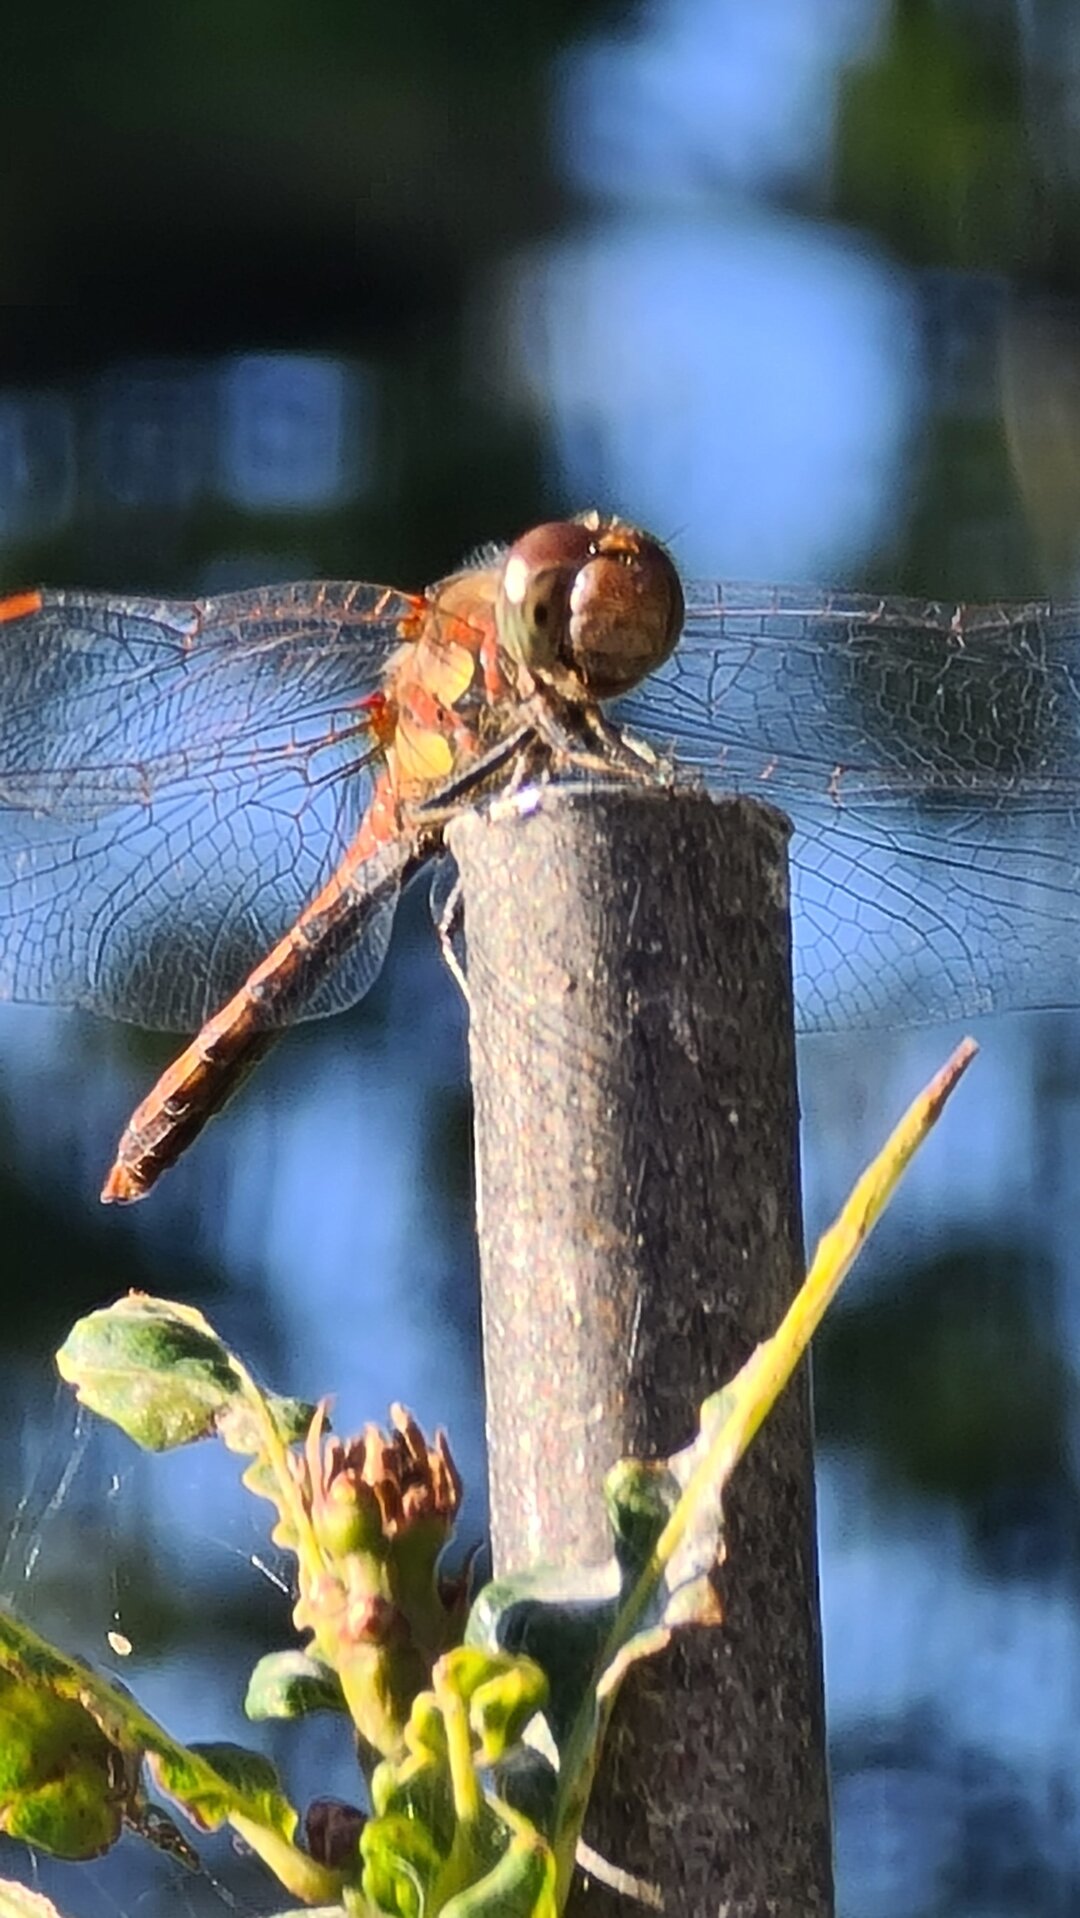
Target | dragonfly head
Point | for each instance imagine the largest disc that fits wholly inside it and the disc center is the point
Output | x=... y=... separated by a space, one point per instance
x=591 y=605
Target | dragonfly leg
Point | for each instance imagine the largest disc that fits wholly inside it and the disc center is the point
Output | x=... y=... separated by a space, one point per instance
x=469 y=786
x=595 y=746
x=621 y=752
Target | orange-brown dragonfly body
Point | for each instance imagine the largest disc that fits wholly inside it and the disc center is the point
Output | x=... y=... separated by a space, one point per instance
x=459 y=667
x=208 y=808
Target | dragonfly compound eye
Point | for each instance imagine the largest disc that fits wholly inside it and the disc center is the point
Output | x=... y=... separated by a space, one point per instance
x=591 y=604
x=626 y=611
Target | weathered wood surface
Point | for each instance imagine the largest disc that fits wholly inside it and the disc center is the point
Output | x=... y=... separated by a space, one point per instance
x=633 y=1063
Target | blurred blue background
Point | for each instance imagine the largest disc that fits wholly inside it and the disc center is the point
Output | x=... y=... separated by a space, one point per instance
x=344 y=290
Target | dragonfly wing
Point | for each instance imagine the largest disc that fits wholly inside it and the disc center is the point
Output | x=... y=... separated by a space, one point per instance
x=900 y=921
x=177 y=779
x=929 y=758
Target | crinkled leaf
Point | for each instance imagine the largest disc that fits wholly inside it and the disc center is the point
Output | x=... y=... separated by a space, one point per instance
x=640 y=1495
x=61 y=1779
x=156 y=1370
x=211 y=1781
x=527 y=1781
x=292 y=1684
x=425 y=1730
x=402 y=1865
x=435 y=1831
x=674 y=1587
x=224 y=1781
x=565 y=1620
x=560 y=1619
x=412 y=1867
x=502 y=1690
x=521 y=1885
x=159 y=1371
x=417 y=1787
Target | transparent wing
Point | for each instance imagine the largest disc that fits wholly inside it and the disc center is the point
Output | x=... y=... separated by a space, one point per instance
x=176 y=780
x=929 y=757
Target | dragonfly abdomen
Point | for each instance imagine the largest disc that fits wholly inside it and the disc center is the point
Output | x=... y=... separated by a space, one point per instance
x=357 y=903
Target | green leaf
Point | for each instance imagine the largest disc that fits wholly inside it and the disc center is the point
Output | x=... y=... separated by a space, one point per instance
x=62 y=1781
x=528 y=1783
x=436 y=1833
x=402 y=1865
x=503 y=1692
x=159 y=1371
x=521 y=1885
x=418 y=1786
x=640 y=1495
x=564 y=1620
x=560 y=1619
x=224 y=1781
x=292 y=1684
x=212 y=1781
x=675 y=1585
x=155 y=1369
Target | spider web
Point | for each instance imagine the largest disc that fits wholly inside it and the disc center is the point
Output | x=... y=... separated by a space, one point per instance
x=278 y=1233
x=69 y=1568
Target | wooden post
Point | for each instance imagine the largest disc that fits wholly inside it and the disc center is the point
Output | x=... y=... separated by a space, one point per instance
x=633 y=1063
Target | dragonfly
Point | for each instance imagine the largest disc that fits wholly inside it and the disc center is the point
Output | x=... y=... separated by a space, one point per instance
x=209 y=807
